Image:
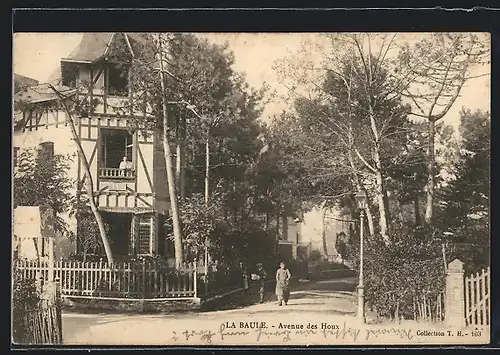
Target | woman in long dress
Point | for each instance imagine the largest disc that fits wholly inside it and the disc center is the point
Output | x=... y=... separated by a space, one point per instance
x=282 y=284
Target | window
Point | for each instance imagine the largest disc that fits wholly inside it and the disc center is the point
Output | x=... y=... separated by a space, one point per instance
x=69 y=74
x=144 y=234
x=118 y=80
x=116 y=145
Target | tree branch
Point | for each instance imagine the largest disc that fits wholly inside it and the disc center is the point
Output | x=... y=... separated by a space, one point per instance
x=364 y=161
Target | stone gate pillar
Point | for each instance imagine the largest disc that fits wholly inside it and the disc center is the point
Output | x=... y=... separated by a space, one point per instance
x=455 y=297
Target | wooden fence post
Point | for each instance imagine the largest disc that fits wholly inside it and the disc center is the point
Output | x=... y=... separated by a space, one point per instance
x=58 y=302
x=51 y=260
x=454 y=295
x=39 y=280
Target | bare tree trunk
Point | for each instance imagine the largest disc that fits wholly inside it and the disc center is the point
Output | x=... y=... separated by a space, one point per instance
x=369 y=218
x=183 y=158
x=88 y=180
x=97 y=215
x=387 y=206
x=277 y=232
x=178 y=163
x=323 y=229
x=381 y=206
x=429 y=206
x=207 y=186
x=207 y=169
x=416 y=206
x=450 y=73
x=180 y=159
x=357 y=182
x=400 y=210
x=179 y=257
x=35 y=242
x=380 y=191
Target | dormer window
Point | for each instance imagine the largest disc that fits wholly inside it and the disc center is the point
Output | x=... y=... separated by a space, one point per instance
x=118 y=81
x=69 y=74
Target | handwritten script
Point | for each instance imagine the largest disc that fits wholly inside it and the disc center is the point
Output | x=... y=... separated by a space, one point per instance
x=343 y=333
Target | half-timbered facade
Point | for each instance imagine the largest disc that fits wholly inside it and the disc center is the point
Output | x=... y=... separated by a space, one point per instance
x=127 y=164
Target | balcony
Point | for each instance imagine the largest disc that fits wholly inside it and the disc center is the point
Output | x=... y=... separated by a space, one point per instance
x=116 y=174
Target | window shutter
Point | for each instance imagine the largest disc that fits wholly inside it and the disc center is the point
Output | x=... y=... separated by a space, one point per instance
x=144 y=234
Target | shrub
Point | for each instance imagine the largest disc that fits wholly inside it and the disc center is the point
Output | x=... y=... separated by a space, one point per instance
x=410 y=267
x=315 y=255
x=25 y=297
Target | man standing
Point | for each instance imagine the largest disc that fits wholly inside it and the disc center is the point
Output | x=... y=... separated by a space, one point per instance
x=282 y=284
x=262 y=277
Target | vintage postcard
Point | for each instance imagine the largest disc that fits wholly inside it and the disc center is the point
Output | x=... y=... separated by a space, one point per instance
x=251 y=189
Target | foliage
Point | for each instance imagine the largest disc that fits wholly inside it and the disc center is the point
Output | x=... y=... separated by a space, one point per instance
x=39 y=180
x=411 y=267
x=25 y=297
x=351 y=106
x=465 y=211
x=199 y=223
x=439 y=67
x=467 y=195
x=214 y=103
x=349 y=134
x=229 y=242
x=315 y=255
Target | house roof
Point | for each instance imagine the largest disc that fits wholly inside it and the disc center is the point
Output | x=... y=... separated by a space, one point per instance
x=41 y=93
x=36 y=94
x=91 y=48
x=21 y=81
x=96 y=46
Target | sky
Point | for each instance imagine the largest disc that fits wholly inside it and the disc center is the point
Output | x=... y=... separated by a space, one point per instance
x=37 y=55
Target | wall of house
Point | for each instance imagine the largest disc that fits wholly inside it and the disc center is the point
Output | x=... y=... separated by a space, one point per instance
x=312 y=229
x=84 y=77
x=289 y=238
x=118 y=193
x=114 y=104
x=63 y=144
x=293 y=230
x=145 y=161
x=160 y=177
x=31 y=233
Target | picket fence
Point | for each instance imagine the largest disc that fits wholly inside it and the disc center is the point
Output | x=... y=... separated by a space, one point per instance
x=429 y=308
x=477 y=299
x=132 y=280
x=43 y=323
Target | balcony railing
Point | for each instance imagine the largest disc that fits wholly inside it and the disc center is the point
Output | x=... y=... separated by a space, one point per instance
x=114 y=173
